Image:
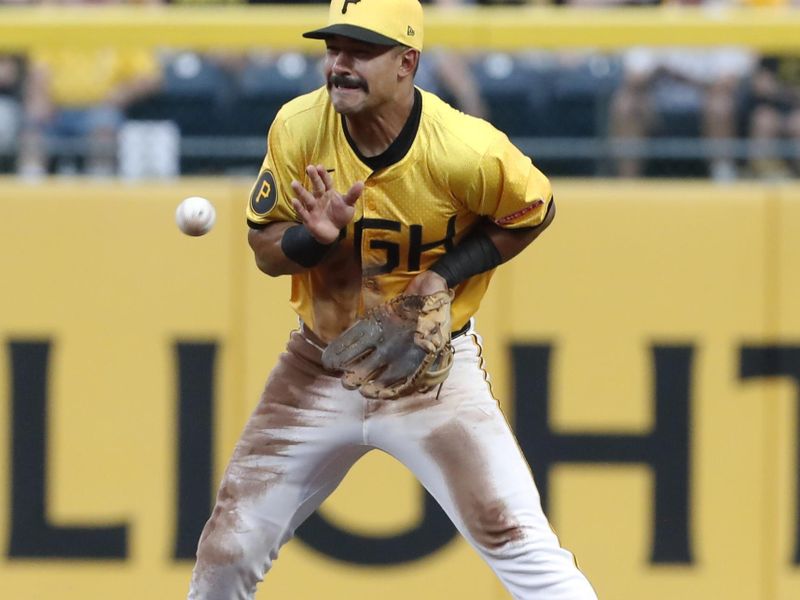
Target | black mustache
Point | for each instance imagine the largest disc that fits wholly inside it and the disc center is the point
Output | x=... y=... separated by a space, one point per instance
x=345 y=81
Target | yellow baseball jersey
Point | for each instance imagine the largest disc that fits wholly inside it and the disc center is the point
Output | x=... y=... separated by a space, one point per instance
x=457 y=171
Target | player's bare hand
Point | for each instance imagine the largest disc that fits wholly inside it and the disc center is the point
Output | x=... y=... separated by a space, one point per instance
x=426 y=283
x=324 y=211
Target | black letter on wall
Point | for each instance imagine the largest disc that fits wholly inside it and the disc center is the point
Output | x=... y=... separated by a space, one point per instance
x=434 y=532
x=777 y=361
x=665 y=450
x=32 y=535
x=195 y=443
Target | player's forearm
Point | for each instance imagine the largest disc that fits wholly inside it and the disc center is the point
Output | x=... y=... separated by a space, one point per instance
x=284 y=248
x=266 y=246
x=510 y=242
x=485 y=248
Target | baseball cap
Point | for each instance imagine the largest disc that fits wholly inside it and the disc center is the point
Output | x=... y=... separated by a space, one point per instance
x=384 y=22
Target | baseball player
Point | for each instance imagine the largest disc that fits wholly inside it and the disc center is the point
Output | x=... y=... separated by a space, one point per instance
x=372 y=190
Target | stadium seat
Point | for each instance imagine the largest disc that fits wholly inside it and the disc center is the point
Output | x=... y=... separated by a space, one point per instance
x=580 y=106
x=516 y=92
x=679 y=108
x=264 y=85
x=191 y=95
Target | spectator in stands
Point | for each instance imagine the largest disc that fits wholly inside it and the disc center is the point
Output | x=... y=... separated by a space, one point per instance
x=699 y=83
x=11 y=77
x=81 y=95
x=453 y=75
x=772 y=105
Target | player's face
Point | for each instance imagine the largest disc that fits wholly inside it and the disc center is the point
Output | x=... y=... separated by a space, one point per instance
x=360 y=75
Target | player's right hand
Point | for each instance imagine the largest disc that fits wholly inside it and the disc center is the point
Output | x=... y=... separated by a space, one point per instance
x=324 y=211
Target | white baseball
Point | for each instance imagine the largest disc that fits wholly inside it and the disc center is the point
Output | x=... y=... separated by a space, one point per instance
x=195 y=216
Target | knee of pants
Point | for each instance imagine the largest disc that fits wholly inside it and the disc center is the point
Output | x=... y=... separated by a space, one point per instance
x=228 y=543
x=494 y=529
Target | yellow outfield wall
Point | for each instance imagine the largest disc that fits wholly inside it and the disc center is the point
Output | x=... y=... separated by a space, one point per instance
x=646 y=349
x=280 y=27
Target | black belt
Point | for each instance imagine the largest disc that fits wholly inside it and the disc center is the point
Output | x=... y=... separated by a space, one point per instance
x=316 y=339
x=461 y=331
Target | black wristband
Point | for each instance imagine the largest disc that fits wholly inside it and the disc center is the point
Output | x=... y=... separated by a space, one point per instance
x=475 y=254
x=300 y=246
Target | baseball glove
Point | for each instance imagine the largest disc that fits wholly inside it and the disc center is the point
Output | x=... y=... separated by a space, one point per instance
x=397 y=348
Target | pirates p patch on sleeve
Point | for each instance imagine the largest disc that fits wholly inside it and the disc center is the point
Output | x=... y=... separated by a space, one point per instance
x=264 y=195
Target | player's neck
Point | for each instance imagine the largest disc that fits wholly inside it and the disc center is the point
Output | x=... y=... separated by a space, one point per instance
x=373 y=133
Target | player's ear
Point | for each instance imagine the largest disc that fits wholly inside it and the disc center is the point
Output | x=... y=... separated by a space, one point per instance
x=409 y=62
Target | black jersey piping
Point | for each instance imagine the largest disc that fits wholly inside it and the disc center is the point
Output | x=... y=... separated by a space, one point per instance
x=401 y=144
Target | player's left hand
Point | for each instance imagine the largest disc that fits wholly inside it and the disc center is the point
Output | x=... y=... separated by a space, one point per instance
x=426 y=283
x=324 y=211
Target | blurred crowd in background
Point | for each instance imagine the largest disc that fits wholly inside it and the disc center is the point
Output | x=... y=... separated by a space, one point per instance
x=723 y=113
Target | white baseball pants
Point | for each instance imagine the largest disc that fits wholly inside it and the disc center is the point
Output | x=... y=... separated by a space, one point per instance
x=306 y=433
